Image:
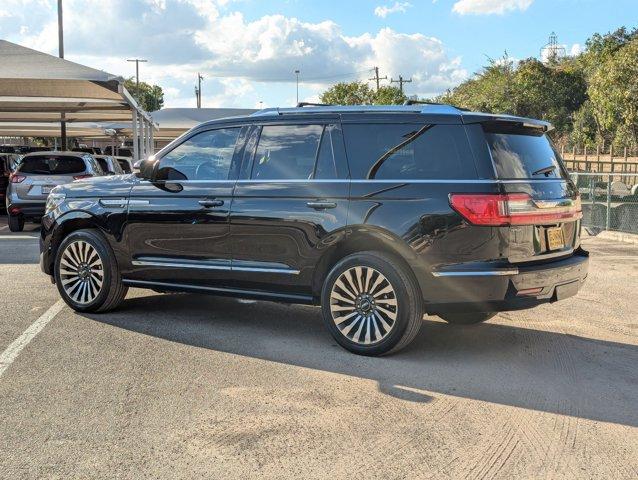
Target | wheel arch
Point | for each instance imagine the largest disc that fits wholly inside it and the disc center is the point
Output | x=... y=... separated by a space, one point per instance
x=71 y=222
x=362 y=238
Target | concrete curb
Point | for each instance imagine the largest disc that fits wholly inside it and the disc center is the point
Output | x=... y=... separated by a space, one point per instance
x=619 y=236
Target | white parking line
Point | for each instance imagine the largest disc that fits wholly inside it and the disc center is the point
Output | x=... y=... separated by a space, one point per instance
x=19 y=237
x=11 y=353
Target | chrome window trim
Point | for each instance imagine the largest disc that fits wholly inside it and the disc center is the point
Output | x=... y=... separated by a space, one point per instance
x=345 y=180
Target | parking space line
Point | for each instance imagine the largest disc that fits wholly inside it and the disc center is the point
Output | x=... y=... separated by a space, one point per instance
x=19 y=237
x=11 y=353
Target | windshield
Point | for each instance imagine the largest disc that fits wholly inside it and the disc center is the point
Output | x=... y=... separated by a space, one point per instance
x=522 y=152
x=52 y=165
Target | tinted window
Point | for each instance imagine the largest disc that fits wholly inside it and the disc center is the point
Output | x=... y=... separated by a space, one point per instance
x=408 y=151
x=205 y=156
x=286 y=152
x=326 y=168
x=126 y=167
x=519 y=152
x=103 y=164
x=52 y=165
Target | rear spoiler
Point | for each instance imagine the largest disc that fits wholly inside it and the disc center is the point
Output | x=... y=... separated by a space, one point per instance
x=473 y=117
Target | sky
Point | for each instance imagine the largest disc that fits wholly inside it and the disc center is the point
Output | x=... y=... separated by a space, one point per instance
x=248 y=50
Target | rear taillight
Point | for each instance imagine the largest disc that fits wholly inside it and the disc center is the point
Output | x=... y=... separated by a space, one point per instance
x=514 y=209
x=80 y=177
x=17 y=178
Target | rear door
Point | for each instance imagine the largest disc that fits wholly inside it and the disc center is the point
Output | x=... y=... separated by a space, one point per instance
x=290 y=201
x=178 y=225
x=526 y=163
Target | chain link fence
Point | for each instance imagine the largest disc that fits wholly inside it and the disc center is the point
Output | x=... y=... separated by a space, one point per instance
x=610 y=200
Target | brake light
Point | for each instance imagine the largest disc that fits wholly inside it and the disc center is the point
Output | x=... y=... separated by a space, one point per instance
x=80 y=177
x=513 y=209
x=17 y=178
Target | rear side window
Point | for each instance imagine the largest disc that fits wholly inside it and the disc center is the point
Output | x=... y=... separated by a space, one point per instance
x=103 y=164
x=408 y=152
x=287 y=152
x=522 y=152
x=52 y=165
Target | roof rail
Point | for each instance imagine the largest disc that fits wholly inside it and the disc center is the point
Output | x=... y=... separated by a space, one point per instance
x=312 y=104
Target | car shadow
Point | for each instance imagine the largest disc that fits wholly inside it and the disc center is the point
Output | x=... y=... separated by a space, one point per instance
x=508 y=365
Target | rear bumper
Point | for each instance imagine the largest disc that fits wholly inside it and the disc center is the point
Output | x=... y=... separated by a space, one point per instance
x=507 y=287
x=31 y=209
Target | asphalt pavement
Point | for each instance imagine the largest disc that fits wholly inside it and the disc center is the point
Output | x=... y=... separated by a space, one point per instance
x=190 y=386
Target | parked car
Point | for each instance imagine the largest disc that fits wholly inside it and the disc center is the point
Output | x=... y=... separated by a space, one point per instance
x=119 y=151
x=125 y=164
x=109 y=165
x=377 y=214
x=24 y=149
x=8 y=149
x=8 y=163
x=37 y=174
x=91 y=150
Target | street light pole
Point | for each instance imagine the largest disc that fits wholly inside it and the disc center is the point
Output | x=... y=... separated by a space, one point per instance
x=297 y=74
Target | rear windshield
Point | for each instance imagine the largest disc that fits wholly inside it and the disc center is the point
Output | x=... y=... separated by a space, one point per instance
x=52 y=165
x=522 y=152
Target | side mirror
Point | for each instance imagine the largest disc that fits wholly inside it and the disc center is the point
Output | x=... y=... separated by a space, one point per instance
x=145 y=167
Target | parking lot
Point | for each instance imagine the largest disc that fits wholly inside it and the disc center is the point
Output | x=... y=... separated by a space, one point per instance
x=184 y=386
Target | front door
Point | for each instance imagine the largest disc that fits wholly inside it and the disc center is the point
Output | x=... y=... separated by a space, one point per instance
x=178 y=224
x=290 y=204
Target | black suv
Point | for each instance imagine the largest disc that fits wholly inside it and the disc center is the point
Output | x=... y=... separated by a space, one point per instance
x=378 y=214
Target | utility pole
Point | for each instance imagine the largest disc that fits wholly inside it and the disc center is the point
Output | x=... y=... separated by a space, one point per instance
x=377 y=77
x=137 y=70
x=63 y=139
x=198 y=90
x=297 y=74
x=400 y=81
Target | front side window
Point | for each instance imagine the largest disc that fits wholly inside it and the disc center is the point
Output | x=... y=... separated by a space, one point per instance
x=205 y=156
x=287 y=152
x=408 y=152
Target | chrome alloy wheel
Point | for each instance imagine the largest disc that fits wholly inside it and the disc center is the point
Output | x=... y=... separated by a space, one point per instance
x=363 y=305
x=81 y=272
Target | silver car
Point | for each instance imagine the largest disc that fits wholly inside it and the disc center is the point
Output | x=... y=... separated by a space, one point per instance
x=37 y=174
x=109 y=165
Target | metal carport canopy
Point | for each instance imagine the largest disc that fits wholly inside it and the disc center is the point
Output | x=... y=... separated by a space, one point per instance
x=37 y=87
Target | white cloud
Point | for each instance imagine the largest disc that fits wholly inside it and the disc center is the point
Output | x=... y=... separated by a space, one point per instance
x=488 y=7
x=576 y=49
x=243 y=61
x=384 y=10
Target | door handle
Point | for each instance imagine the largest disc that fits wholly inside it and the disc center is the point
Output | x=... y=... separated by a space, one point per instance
x=211 y=203
x=321 y=205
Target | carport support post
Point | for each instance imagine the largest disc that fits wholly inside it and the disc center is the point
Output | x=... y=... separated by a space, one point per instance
x=607 y=220
x=136 y=150
x=152 y=141
x=142 y=136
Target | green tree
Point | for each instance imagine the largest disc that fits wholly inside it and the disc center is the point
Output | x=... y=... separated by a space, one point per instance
x=353 y=93
x=389 y=95
x=149 y=97
x=613 y=90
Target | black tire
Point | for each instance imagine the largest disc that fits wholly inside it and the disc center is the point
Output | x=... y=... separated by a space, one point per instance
x=467 y=318
x=404 y=292
x=111 y=291
x=16 y=223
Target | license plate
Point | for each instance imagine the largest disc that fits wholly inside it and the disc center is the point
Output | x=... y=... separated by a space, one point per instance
x=46 y=190
x=555 y=240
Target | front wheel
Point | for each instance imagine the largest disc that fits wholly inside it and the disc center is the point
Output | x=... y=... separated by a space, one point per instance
x=86 y=273
x=371 y=304
x=467 y=318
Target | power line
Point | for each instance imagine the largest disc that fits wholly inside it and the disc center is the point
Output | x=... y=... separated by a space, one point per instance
x=377 y=77
x=400 y=81
x=198 y=90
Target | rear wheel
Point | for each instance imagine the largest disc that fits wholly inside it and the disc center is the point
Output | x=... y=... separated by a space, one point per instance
x=86 y=273
x=16 y=223
x=467 y=318
x=371 y=304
